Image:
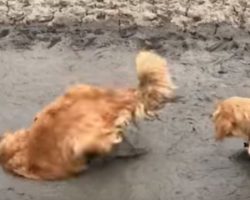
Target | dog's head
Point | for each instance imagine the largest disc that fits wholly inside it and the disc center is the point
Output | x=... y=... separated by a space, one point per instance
x=229 y=122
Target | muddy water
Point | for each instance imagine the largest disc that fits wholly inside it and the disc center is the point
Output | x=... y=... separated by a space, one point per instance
x=183 y=161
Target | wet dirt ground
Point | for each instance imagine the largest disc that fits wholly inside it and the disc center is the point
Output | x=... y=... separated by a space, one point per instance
x=184 y=161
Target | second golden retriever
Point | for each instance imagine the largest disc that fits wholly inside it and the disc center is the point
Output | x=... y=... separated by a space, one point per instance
x=232 y=119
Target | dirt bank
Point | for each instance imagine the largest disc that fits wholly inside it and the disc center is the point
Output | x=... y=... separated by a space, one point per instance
x=183 y=13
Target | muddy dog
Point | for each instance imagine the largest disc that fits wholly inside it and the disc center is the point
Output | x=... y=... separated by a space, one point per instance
x=86 y=120
x=232 y=119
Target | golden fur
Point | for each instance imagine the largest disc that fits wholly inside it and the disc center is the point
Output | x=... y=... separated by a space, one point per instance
x=85 y=120
x=232 y=118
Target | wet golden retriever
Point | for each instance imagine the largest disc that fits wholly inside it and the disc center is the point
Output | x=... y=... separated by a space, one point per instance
x=232 y=119
x=86 y=120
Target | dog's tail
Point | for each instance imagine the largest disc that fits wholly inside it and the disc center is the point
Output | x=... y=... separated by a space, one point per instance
x=155 y=87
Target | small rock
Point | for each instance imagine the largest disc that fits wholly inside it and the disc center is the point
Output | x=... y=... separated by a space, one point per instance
x=196 y=18
x=101 y=16
x=10 y=189
x=4 y=33
x=222 y=71
x=201 y=2
x=149 y=15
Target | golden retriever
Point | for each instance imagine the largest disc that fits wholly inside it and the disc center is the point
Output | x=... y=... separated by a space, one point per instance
x=232 y=119
x=86 y=120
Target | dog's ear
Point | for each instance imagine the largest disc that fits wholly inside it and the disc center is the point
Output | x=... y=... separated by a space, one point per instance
x=223 y=128
x=216 y=113
x=216 y=108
